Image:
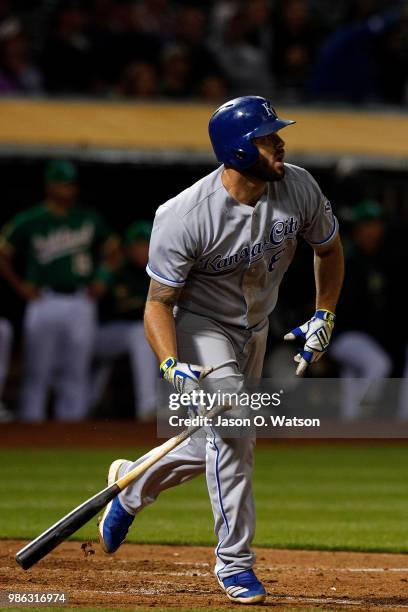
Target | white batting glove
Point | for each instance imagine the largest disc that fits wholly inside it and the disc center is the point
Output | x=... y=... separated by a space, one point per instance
x=317 y=334
x=184 y=377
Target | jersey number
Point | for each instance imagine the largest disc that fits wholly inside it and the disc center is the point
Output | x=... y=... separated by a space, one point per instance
x=82 y=264
x=274 y=259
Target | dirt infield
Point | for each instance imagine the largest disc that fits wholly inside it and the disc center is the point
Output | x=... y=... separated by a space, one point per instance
x=181 y=577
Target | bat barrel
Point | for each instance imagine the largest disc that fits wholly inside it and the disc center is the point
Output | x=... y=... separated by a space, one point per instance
x=47 y=541
x=60 y=531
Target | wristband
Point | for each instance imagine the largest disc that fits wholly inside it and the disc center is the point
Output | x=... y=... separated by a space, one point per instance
x=166 y=364
x=325 y=315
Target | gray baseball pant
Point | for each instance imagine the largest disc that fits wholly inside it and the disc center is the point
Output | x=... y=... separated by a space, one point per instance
x=227 y=462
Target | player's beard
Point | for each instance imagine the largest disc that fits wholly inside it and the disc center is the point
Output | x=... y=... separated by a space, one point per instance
x=263 y=171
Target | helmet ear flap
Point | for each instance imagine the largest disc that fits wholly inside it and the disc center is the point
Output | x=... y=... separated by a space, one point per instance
x=244 y=154
x=240 y=154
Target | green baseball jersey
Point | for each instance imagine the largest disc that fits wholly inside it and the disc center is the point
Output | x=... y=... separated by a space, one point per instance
x=59 y=252
x=127 y=292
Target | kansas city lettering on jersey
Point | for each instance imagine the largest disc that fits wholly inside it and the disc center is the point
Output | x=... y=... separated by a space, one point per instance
x=62 y=242
x=280 y=231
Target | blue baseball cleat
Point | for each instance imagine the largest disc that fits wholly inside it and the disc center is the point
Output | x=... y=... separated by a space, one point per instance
x=244 y=588
x=115 y=521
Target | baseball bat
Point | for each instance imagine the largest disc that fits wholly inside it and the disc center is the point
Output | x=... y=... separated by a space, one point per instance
x=61 y=530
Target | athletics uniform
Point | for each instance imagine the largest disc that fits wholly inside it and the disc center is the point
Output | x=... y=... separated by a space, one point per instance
x=59 y=253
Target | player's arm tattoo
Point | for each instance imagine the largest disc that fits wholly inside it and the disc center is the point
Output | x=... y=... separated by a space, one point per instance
x=163 y=293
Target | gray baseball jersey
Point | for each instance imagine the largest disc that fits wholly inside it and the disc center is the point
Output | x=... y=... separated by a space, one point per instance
x=230 y=257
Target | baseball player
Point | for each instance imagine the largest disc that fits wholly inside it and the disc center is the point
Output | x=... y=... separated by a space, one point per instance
x=121 y=329
x=218 y=252
x=59 y=244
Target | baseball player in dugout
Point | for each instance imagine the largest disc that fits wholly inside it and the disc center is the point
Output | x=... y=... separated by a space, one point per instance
x=59 y=243
x=218 y=253
x=121 y=332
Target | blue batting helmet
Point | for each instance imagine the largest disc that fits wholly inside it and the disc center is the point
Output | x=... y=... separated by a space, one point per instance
x=236 y=122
